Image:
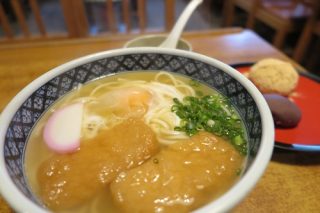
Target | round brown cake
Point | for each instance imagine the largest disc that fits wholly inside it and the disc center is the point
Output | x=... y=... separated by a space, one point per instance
x=274 y=76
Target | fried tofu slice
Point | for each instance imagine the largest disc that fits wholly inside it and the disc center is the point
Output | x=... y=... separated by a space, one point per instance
x=69 y=180
x=180 y=178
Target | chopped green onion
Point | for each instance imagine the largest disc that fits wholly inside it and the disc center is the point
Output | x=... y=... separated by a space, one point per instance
x=155 y=161
x=239 y=171
x=194 y=83
x=211 y=113
x=238 y=140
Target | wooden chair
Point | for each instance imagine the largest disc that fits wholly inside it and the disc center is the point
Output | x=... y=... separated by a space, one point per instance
x=19 y=13
x=130 y=8
x=312 y=27
x=76 y=19
x=281 y=15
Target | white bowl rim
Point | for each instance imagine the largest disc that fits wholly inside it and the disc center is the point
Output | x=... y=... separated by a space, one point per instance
x=139 y=38
x=232 y=197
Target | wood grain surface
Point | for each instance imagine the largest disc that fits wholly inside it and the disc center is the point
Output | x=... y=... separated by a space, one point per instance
x=291 y=182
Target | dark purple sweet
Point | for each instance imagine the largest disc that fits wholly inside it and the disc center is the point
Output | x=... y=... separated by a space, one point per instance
x=286 y=113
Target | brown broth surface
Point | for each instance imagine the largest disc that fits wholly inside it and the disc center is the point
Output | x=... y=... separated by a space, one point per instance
x=69 y=180
x=180 y=178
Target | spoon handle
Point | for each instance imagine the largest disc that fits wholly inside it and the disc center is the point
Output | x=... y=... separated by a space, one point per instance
x=172 y=40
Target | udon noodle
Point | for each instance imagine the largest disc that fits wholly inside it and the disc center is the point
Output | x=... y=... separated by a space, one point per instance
x=159 y=116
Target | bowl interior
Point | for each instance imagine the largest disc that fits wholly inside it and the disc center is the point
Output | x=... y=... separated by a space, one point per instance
x=37 y=103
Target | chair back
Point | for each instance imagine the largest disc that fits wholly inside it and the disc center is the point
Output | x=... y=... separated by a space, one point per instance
x=312 y=26
x=15 y=16
x=118 y=14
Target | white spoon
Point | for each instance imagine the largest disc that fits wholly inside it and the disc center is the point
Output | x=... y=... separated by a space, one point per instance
x=173 y=38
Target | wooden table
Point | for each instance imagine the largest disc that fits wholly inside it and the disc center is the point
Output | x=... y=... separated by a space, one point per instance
x=291 y=182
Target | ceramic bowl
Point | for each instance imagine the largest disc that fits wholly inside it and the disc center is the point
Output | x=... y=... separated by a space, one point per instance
x=155 y=41
x=21 y=114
